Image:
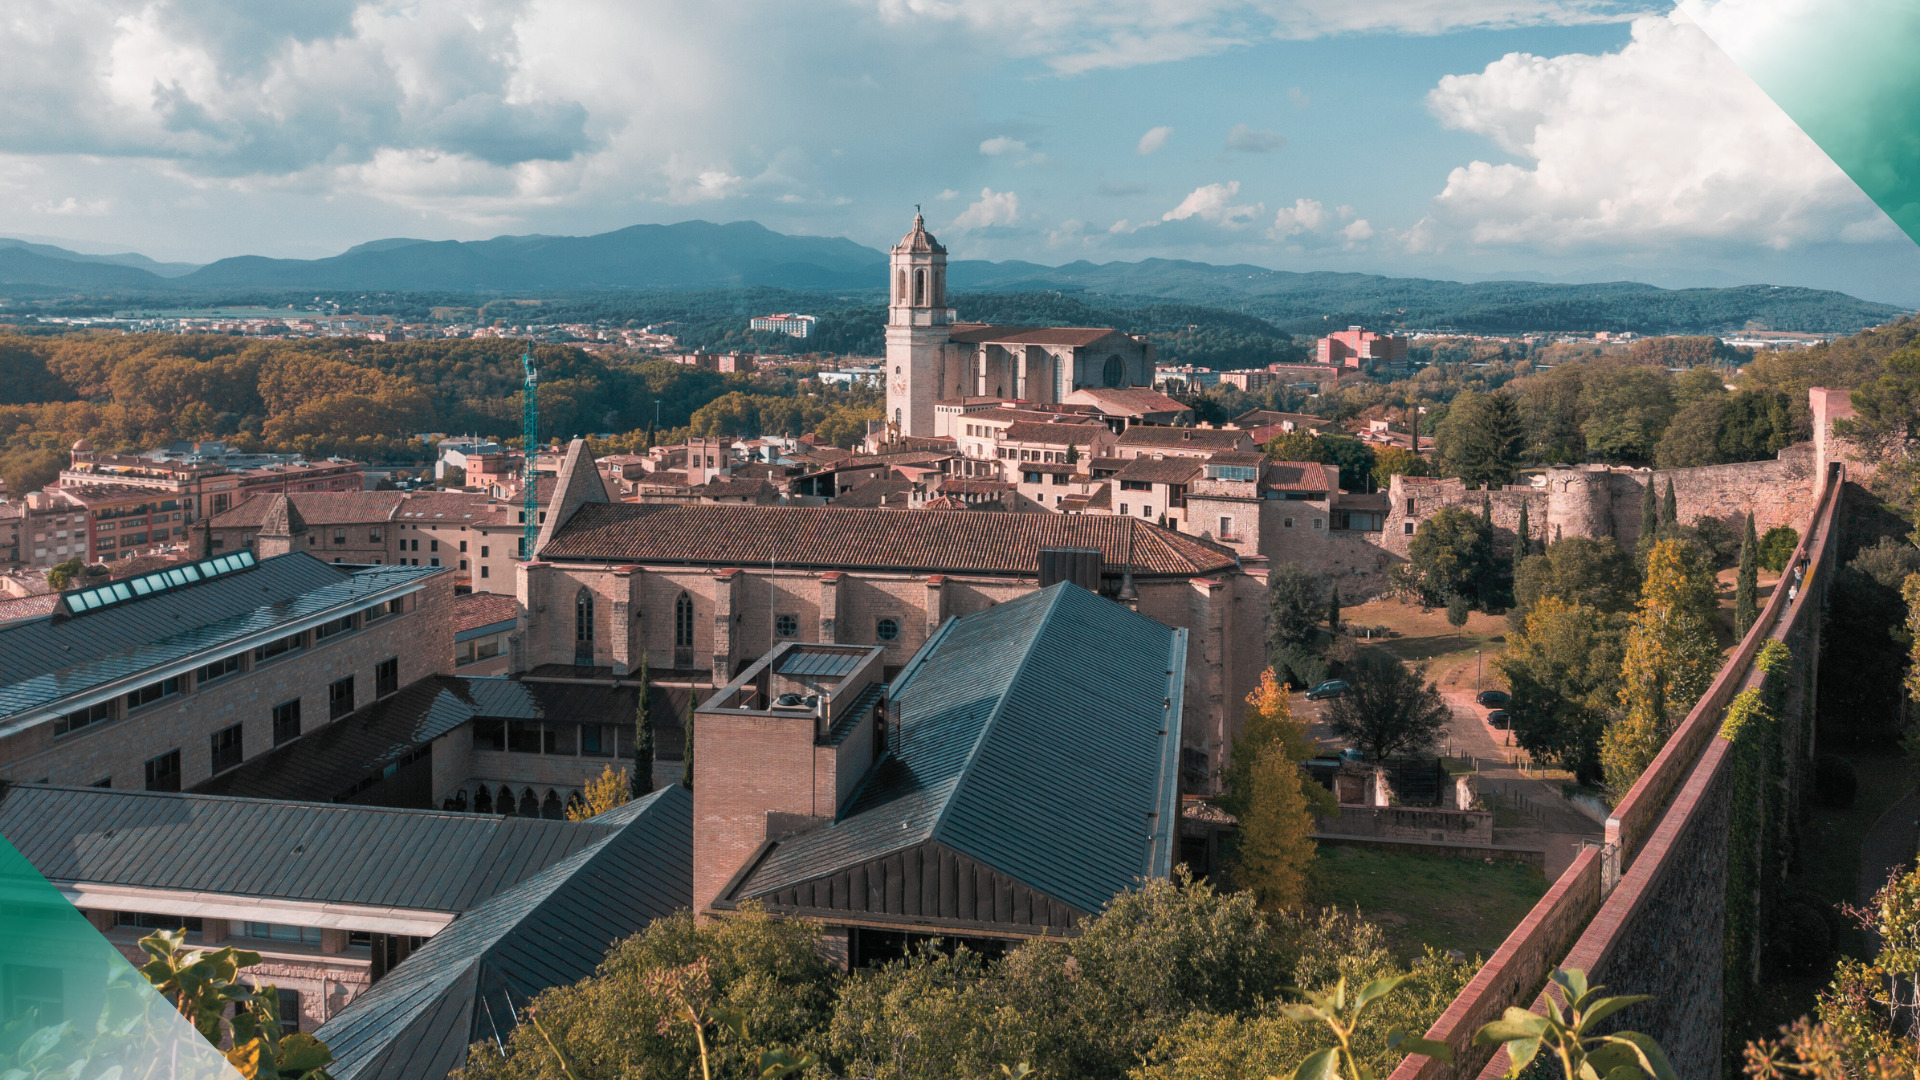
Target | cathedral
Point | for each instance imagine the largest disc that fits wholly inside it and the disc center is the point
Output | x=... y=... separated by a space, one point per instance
x=934 y=360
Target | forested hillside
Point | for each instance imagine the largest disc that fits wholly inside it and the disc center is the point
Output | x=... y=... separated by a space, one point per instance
x=362 y=399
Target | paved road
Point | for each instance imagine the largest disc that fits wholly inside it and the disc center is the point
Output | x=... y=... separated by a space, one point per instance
x=1554 y=823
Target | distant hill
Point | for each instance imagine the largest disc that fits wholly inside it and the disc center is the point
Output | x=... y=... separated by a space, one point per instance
x=700 y=255
x=126 y=258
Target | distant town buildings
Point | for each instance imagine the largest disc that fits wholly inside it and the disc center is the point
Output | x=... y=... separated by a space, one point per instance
x=1358 y=347
x=799 y=326
x=727 y=362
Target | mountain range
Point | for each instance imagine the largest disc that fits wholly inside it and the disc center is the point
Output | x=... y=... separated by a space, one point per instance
x=703 y=255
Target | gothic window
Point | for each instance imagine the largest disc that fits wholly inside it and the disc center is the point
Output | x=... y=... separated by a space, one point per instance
x=919 y=288
x=483 y=802
x=504 y=803
x=529 y=803
x=550 y=807
x=683 y=622
x=900 y=293
x=583 y=616
x=1114 y=375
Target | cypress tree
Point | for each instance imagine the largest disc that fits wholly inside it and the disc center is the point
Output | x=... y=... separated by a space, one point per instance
x=1746 y=589
x=1522 y=538
x=1669 y=513
x=206 y=542
x=641 y=781
x=1649 y=522
x=686 y=768
x=1486 y=510
x=1333 y=611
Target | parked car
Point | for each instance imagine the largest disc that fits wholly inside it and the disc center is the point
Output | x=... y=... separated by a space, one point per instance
x=1499 y=719
x=1332 y=688
x=1493 y=699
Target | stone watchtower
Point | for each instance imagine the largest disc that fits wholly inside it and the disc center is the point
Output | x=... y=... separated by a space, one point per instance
x=1579 y=502
x=918 y=323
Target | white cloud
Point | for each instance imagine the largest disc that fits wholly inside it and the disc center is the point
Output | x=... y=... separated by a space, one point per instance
x=1000 y=146
x=1246 y=140
x=1661 y=143
x=1298 y=97
x=1153 y=140
x=993 y=208
x=1214 y=203
x=947 y=195
x=1305 y=215
x=1357 y=231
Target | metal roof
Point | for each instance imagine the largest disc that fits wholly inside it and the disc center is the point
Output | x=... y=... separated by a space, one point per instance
x=45 y=660
x=471 y=981
x=829 y=664
x=1039 y=737
x=326 y=762
x=420 y=860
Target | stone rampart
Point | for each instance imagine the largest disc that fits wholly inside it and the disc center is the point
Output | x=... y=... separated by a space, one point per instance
x=1661 y=880
x=1413 y=823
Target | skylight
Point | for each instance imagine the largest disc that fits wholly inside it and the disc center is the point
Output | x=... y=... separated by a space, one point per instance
x=159 y=581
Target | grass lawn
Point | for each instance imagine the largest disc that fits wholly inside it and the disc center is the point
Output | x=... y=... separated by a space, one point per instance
x=1425 y=637
x=1421 y=899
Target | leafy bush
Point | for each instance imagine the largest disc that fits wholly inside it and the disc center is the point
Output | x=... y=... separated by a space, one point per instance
x=1776 y=547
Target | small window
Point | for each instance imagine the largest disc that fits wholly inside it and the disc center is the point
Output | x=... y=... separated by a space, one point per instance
x=1123 y=509
x=433 y=545
x=273 y=650
x=163 y=772
x=339 y=536
x=886 y=629
x=786 y=625
x=483 y=570
x=463 y=547
x=153 y=692
x=386 y=677
x=87 y=717
x=489 y=735
x=1287 y=523
x=594 y=741
x=1226 y=526
x=227 y=751
x=289 y=1002
x=373 y=536
x=340 y=698
x=485 y=550
x=1407 y=528
x=1319 y=523
x=430 y=562
x=332 y=627
x=1146 y=511
x=219 y=669
x=286 y=721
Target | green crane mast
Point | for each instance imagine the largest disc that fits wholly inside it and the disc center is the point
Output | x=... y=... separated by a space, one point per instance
x=530 y=445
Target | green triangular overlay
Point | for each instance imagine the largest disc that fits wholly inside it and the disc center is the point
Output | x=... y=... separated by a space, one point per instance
x=1845 y=71
x=72 y=1007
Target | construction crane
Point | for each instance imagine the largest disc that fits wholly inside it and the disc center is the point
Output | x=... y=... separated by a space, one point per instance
x=530 y=445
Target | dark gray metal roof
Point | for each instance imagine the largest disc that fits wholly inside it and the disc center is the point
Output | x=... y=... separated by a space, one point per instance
x=45 y=660
x=324 y=763
x=473 y=979
x=1038 y=737
x=831 y=664
x=422 y=860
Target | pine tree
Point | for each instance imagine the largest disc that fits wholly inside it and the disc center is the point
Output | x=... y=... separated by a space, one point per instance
x=641 y=778
x=1649 y=522
x=1670 y=658
x=686 y=756
x=1333 y=611
x=1746 y=589
x=1273 y=848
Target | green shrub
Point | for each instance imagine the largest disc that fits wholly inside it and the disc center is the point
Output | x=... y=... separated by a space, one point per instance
x=1777 y=547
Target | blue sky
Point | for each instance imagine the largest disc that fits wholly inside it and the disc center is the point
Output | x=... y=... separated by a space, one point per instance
x=1555 y=139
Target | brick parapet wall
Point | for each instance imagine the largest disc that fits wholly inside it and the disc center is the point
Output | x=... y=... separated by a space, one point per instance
x=1661 y=929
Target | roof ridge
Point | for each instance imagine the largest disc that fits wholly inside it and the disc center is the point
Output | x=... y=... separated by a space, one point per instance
x=999 y=706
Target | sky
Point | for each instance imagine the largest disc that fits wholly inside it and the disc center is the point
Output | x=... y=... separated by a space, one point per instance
x=1570 y=140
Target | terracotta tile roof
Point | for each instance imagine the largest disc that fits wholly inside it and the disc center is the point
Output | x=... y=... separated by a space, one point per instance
x=1078 y=434
x=975 y=487
x=452 y=508
x=1011 y=416
x=316 y=508
x=974 y=333
x=945 y=503
x=670 y=478
x=1101 y=499
x=14 y=608
x=474 y=610
x=1198 y=438
x=1045 y=467
x=1134 y=401
x=1294 y=476
x=1255 y=418
x=1174 y=470
x=881 y=491
x=833 y=538
x=1237 y=457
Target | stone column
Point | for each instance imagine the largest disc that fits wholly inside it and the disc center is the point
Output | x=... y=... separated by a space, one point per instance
x=724 y=639
x=830 y=605
x=936 y=604
x=620 y=627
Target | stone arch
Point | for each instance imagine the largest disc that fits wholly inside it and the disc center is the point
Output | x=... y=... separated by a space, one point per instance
x=574 y=801
x=483 y=800
x=550 y=807
x=683 y=622
x=503 y=802
x=529 y=803
x=919 y=288
x=900 y=288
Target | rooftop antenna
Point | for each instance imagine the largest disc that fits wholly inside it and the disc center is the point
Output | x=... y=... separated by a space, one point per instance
x=529 y=441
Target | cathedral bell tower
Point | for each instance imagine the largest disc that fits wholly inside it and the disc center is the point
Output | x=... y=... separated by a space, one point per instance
x=918 y=326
